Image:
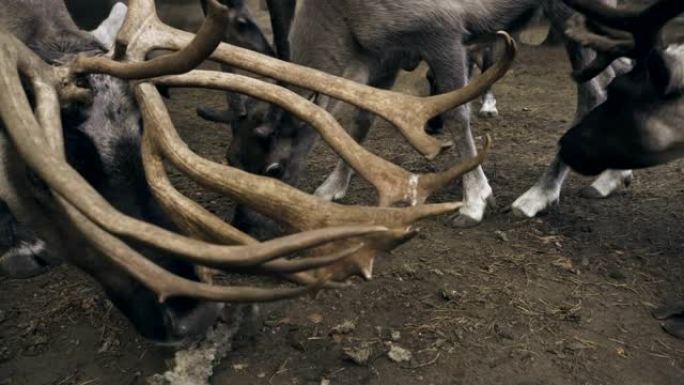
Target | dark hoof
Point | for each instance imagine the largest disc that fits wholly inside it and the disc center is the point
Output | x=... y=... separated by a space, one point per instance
x=591 y=193
x=675 y=327
x=669 y=311
x=461 y=221
x=492 y=204
x=26 y=260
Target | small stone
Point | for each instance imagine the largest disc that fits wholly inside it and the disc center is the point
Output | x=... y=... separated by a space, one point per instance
x=398 y=354
x=315 y=318
x=501 y=235
x=345 y=327
x=395 y=335
x=504 y=332
x=358 y=354
x=240 y=367
x=565 y=264
x=448 y=294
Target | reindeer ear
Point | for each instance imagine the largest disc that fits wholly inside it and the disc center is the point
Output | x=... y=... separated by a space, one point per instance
x=666 y=70
x=249 y=35
x=107 y=31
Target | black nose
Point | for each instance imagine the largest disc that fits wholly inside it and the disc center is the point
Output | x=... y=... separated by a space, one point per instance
x=274 y=170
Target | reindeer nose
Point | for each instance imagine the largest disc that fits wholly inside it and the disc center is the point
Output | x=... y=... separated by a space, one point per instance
x=274 y=170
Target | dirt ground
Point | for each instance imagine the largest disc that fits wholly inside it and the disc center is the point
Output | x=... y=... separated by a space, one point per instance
x=564 y=299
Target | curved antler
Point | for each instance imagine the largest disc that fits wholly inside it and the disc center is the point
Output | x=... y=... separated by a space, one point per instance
x=298 y=211
x=408 y=113
x=98 y=220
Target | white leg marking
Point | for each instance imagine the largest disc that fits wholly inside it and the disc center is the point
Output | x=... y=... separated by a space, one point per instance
x=544 y=193
x=336 y=185
x=607 y=183
x=107 y=31
x=477 y=194
x=488 y=109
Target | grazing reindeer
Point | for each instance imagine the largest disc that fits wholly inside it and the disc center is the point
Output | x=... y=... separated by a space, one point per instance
x=640 y=123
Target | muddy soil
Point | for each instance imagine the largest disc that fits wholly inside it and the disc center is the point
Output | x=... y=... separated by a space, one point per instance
x=563 y=299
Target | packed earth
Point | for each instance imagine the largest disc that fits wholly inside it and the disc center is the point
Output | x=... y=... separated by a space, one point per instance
x=563 y=299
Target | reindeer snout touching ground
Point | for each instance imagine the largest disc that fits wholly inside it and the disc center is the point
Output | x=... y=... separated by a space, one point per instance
x=192 y=324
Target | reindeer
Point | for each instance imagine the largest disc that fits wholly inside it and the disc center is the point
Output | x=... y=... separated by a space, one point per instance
x=368 y=42
x=640 y=123
x=83 y=140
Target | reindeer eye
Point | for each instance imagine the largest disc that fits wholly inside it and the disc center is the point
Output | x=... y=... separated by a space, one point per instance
x=242 y=22
x=82 y=82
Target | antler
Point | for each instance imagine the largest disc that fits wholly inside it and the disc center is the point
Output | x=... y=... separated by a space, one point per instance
x=616 y=33
x=99 y=222
x=408 y=113
x=296 y=210
x=393 y=183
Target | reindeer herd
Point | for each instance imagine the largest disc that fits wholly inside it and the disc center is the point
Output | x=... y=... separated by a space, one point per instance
x=86 y=137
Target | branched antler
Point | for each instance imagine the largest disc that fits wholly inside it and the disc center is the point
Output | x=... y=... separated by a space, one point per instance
x=101 y=223
x=349 y=236
x=408 y=113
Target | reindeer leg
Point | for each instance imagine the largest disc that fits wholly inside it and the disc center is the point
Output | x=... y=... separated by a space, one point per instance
x=488 y=109
x=673 y=315
x=545 y=193
x=449 y=65
x=336 y=184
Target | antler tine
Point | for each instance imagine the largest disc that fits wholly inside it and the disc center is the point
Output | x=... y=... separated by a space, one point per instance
x=200 y=48
x=187 y=214
x=197 y=221
x=393 y=183
x=165 y=284
x=298 y=211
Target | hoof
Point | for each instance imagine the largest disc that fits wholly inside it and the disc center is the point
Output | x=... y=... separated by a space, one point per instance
x=492 y=202
x=591 y=193
x=674 y=327
x=530 y=211
x=462 y=221
x=669 y=311
x=489 y=114
x=466 y=219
